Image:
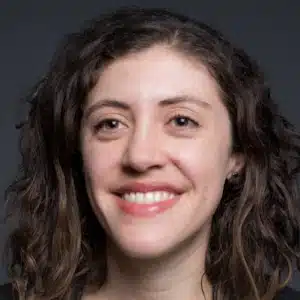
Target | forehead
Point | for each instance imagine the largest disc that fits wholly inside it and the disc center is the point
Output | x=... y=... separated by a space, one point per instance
x=154 y=74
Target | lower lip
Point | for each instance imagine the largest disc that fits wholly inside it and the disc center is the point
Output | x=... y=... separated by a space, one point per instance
x=145 y=210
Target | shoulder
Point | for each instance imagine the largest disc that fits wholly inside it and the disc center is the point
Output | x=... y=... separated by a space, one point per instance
x=288 y=294
x=6 y=292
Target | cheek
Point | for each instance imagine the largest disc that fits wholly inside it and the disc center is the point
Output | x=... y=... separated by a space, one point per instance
x=99 y=158
x=99 y=163
x=204 y=163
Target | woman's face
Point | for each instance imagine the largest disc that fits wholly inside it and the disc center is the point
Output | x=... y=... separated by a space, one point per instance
x=156 y=147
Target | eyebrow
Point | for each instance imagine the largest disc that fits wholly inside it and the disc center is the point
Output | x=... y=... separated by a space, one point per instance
x=165 y=102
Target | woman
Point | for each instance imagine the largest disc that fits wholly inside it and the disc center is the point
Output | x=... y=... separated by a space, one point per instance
x=155 y=166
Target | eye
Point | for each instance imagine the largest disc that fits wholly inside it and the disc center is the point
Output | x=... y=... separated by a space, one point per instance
x=108 y=125
x=183 y=121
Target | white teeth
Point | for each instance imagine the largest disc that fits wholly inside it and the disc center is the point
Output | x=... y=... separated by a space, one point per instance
x=139 y=197
x=148 y=198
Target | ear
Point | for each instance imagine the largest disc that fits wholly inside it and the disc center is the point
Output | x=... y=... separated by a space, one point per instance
x=235 y=165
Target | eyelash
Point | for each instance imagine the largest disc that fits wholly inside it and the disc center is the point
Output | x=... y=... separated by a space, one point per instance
x=105 y=122
x=190 y=120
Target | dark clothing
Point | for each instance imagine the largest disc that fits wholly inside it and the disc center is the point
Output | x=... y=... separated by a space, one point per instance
x=287 y=293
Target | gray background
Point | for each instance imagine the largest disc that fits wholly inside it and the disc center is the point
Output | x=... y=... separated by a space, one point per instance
x=30 y=30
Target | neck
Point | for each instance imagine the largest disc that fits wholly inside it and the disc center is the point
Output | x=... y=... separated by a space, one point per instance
x=177 y=275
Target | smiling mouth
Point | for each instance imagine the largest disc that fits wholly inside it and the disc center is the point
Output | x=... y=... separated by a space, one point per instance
x=147 y=204
x=148 y=198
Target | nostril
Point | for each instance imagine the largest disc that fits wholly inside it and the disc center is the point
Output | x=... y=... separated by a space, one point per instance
x=133 y=170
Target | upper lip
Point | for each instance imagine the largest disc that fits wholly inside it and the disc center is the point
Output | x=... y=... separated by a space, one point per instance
x=141 y=187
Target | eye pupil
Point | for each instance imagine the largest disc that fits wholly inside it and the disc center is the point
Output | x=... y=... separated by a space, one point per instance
x=107 y=124
x=112 y=123
x=182 y=121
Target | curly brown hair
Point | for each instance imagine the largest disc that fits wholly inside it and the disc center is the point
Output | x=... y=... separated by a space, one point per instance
x=58 y=242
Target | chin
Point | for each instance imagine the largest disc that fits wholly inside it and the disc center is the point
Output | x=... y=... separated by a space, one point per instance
x=144 y=248
x=151 y=247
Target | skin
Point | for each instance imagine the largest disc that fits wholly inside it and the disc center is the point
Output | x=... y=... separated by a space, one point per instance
x=148 y=142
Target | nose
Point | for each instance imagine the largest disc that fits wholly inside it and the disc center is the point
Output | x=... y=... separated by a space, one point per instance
x=144 y=151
